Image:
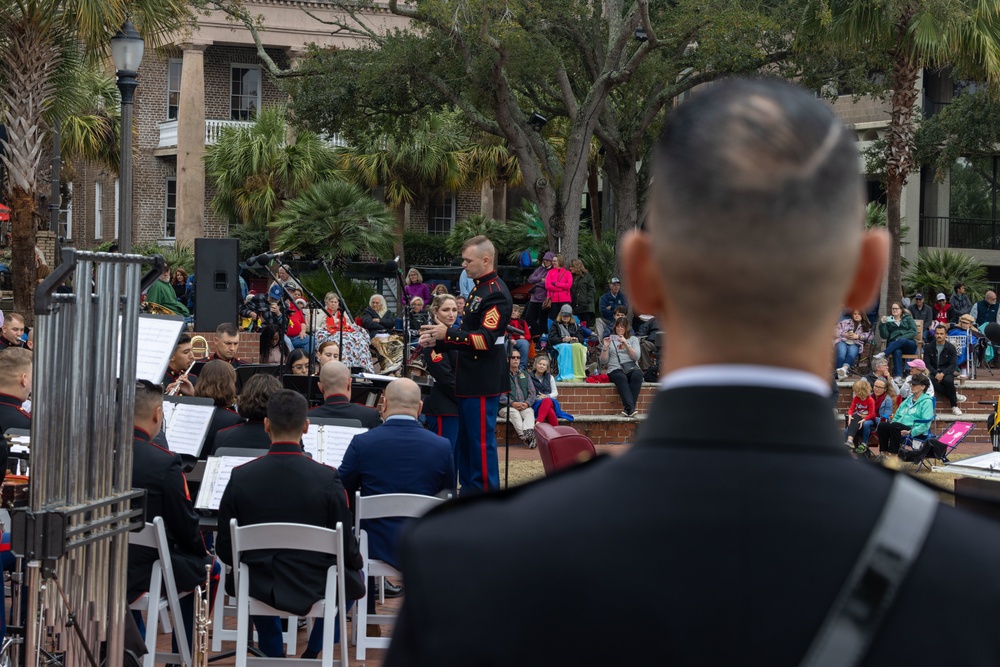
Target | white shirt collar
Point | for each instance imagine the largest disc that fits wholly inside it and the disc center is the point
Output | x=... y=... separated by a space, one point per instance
x=745 y=375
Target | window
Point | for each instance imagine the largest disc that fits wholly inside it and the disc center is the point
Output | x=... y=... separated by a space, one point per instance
x=98 y=213
x=441 y=216
x=173 y=88
x=66 y=212
x=244 y=90
x=170 y=210
x=118 y=194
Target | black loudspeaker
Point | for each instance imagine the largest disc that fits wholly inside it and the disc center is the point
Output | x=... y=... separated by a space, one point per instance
x=217 y=283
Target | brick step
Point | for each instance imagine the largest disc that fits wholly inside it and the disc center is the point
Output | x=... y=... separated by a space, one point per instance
x=601 y=429
x=583 y=398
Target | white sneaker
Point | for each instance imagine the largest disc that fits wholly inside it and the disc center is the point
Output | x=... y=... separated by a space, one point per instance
x=962 y=398
x=842 y=372
x=880 y=355
x=956 y=410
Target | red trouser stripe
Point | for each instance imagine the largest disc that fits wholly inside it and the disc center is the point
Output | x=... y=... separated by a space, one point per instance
x=482 y=442
x=440 y=421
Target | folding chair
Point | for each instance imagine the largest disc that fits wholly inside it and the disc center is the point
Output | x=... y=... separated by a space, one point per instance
x=965 y=344
x=384 y=506
x=332 y=607
x=154 y=536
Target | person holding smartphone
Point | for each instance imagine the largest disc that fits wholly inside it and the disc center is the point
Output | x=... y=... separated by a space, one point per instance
x=620 y=354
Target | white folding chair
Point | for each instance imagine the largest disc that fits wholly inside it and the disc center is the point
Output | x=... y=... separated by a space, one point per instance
x=388 y=505
x=332 y=607
x=154 y=536
x=225 y=606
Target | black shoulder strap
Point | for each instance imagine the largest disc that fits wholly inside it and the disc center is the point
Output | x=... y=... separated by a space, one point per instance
x=892 y=547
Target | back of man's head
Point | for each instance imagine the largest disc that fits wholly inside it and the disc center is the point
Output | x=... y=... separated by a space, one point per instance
x=335 y=378
x=286 y=416
x=402 y=397
x=148 y=397
x=15 y=372
x=756 y=200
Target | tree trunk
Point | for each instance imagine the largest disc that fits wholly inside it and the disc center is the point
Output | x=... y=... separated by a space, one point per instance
x=624 y=182
x=23 y=205
x=593 y=185
x=899 y=160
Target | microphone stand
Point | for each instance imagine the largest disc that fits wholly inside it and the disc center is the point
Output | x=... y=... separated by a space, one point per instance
x=405 y=316
x=313 y=302
x=284 y=315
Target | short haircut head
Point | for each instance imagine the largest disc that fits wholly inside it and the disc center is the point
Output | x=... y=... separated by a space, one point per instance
x=148 y=397
x=253 y=399
x=403 y=396
x=15 y=317
x=481 y=244
x=286 y=412
x=227 y=329
x=14 y=362
x=183 y=339
x=756 y=187
x=334 y=376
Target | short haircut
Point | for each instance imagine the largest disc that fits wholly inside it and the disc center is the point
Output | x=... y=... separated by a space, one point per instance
x=183 y=339
x=14 y=362
x=148 y=397
x=879 y=363
x=286 y=412
x=217 y=381
x=253 y=399
x=227 y=329
x=759 y=177
x=334 y=377
x=482 y=244
x=959 y=286
x=15 y=317
x=403 y=395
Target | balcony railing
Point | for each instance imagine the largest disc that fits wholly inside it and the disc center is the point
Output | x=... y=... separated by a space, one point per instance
x=976 y=233
x=213 y=131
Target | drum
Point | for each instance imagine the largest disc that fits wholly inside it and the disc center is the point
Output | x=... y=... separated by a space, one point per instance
x=15 y=491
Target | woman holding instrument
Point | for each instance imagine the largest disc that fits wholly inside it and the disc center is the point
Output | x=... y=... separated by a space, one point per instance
x=441 y=407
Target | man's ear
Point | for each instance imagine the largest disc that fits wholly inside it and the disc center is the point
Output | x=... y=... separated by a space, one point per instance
x=643 y=279
x=305 y=428
x=867 y=281
x=267 y=426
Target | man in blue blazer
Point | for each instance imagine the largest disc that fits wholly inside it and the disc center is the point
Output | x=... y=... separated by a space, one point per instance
x=400 y=456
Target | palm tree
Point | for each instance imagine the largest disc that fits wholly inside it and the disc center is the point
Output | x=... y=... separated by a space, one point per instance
x=911 y=35
x=256 y=168
x=40 y=41
x=92 y=129
x=335 y=220
x=939 y=269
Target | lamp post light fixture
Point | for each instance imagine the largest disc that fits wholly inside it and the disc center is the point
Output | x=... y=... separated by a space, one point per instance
x=126 y=51
x=537 y=121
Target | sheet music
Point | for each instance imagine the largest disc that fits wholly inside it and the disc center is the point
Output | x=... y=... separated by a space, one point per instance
x=156 y=342
x=218 y=471
x=327 y=443
x=186 y=422
x=377 y=377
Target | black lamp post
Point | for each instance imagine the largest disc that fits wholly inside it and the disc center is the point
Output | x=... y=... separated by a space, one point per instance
x=126 y=50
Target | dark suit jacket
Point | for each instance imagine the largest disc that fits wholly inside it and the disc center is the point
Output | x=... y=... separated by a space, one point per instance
x=302 y=491
x=337 y=406
x=11 y=416
x=159 y=472
x=222 y=419
x=249 y=435
x=400 y=456
x=754 y=531
x=946 y=362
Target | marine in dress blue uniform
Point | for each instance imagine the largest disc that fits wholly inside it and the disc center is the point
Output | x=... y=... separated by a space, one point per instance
x=480 y=378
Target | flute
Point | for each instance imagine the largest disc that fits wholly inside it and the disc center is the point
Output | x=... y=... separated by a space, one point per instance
x=176 y=386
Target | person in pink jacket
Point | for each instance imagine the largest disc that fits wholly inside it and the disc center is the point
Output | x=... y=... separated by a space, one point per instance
x=558 y=282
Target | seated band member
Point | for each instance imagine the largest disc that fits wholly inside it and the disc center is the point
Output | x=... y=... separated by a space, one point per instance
x=158 y=471
x=252 y=406
x=15 y=388
x=327 y=351
x=311 y=494
x=12 y=331
x=180 y=361
x=227 y=342
x=218 y=382
x=335 y=383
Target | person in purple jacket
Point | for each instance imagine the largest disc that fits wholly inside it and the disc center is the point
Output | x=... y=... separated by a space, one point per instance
x=536 y=316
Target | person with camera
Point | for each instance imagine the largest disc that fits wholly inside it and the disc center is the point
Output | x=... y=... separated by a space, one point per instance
x=620 y=355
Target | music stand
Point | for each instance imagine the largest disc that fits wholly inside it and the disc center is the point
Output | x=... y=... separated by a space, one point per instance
x=247 y=371
x=307 y=385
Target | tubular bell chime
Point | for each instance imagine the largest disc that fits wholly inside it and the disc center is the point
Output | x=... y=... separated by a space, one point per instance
x=73 y=534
